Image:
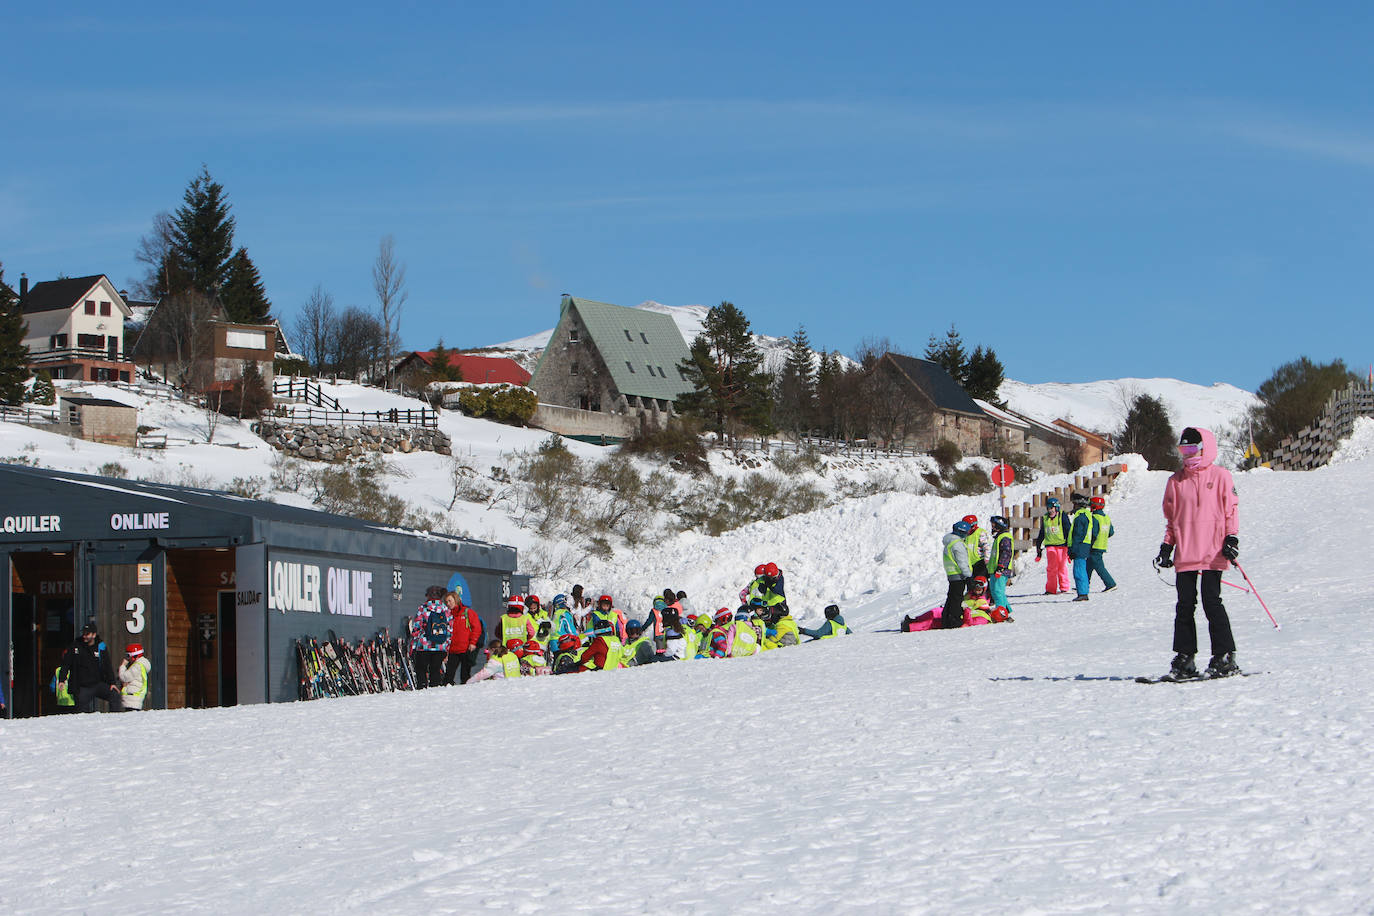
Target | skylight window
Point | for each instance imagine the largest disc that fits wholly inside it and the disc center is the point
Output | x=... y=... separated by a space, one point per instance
x=627 y=335
x=642 y=337
x=630 y=367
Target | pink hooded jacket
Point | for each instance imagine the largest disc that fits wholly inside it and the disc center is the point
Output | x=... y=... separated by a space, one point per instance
x=1200 y=511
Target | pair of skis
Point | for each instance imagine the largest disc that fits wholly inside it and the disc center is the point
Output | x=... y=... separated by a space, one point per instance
x=1201 y=676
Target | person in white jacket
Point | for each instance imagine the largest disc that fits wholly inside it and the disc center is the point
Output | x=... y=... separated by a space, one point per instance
x=133 y=677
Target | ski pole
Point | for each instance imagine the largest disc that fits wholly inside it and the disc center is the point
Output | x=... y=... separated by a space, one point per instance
x=1234 y=585
x=1256 y=593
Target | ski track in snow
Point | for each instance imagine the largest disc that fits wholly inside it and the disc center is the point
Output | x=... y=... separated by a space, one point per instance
x=1012 y=769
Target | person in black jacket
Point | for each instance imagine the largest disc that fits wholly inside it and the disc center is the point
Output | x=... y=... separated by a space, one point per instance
x=87 y=673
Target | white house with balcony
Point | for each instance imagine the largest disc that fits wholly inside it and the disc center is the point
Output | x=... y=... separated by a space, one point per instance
x=76 y=328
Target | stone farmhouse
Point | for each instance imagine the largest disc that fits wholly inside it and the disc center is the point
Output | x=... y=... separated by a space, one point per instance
x=608 y=370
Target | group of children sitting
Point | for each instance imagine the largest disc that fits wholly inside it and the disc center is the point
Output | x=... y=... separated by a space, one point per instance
x=532 y=639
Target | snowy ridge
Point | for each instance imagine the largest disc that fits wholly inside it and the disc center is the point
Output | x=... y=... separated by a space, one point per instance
x=1011 y=768
x=1101 y=406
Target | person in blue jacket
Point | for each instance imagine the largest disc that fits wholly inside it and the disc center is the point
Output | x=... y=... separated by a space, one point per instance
x=834 y=625
x=1082 y=533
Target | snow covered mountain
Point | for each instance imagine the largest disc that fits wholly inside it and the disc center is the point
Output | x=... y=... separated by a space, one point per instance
x=1012 y=768
x=688 y=318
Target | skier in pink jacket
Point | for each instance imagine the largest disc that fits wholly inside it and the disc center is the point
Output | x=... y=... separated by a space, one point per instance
x=1200 y=528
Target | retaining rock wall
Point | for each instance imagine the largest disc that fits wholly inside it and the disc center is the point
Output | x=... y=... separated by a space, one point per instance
x=331 y=443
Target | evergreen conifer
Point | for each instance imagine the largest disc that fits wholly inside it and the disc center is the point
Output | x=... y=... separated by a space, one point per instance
x=730 y=389
x=14 y=355
x=243 y=295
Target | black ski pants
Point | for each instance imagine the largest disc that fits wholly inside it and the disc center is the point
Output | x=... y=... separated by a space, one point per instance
x=952 y=616
x=88 y=698
x=1185 y=624
x=429 y=669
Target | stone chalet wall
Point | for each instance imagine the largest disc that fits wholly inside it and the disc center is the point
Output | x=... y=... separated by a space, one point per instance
x=332 y=443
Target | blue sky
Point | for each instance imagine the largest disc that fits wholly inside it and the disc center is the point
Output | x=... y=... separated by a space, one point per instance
x=1094 y=190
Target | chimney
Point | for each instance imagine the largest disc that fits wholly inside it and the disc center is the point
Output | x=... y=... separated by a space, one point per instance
x=23 y=286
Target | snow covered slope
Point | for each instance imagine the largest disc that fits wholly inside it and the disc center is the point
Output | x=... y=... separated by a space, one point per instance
x=1007 y=769
x=1101 y=406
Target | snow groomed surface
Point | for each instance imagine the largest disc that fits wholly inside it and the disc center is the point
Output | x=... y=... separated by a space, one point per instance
x=1013 y=768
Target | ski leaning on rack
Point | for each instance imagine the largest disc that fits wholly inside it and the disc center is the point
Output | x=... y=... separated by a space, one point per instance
x=1168 y=679
x=334 y=668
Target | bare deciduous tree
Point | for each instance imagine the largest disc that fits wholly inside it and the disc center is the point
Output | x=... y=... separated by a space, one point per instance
x=177 y=339
x=389 y=281
x=153 y=252
x=315 y=324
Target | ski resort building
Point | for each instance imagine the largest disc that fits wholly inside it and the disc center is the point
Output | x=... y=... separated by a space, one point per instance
x=608 y=370
x=216 y=588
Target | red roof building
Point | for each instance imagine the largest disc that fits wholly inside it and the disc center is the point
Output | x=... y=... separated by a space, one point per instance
x=479 y=369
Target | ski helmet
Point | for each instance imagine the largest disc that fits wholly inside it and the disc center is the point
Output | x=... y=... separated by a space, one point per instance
x=1079 y=500
x=761 y=569
x=532 y=647
x=660 y=604
x=1097 y=502
x=560 y=602
x=544 y=629
x=515 y=645
x=567 y=642
x=633 y=626
x=999 y=523
x=963 y=529
x=134 y=650
x=771 y=570
x=972 y=521
x=605 y=598
x=515 y=605
x=1052 y=502
x=979 y=583
x=724 y=615
x=532 y=600
x=832 y=611
x=703 y=621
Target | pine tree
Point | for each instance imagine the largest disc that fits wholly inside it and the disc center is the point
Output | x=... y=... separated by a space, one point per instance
x=795 y=398
x=42 y=391
x=984 y=375
x=1148 y=433
x=441 y=365
x=243 y=295
x=949 y=354
x=730 y=390
x=14 y=355
x=203 y=236
x=828 y=376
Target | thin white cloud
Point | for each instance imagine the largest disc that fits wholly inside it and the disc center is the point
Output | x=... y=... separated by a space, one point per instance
x=1305 y=140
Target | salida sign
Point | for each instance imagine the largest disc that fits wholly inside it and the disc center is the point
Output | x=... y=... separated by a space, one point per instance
x=312 y=589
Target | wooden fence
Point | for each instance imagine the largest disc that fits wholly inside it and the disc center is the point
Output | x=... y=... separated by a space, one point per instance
x=1314 y=445
x=422 y=417
x=1025 y=517
x=306 y=390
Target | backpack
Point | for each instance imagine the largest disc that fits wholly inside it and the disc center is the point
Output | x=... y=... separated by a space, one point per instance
x=436 y=628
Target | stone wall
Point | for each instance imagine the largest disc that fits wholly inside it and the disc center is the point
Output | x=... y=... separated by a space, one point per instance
x=332 y=443
x=569 y=421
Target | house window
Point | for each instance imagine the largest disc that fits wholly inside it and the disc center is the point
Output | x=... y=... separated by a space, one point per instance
x=90 y=341
x=57 y=342
x=630 y=367
x=246 y=340
x=627 y=335
x=574 y=335
x=105 y=309
x=572 y=370
x=90 y=306
x=642 y=337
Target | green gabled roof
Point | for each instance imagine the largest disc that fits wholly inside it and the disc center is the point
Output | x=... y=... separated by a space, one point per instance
x=625 y=337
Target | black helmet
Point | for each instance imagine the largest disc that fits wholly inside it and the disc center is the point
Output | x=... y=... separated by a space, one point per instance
x=999 y=523
x=1079 y=500
x=832 y=611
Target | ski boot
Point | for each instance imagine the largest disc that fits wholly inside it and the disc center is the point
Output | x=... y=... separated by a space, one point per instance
x=1181 y=668
x=1223 y=665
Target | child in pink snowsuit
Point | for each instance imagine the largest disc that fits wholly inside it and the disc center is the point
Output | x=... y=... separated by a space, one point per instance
x=1200 y=541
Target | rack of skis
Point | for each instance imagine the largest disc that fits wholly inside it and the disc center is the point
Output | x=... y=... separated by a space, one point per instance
x=334 y=668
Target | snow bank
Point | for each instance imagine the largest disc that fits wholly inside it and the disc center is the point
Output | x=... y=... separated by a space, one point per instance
x=1014 y=768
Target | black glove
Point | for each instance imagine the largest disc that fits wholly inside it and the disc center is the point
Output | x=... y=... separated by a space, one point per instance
x=1230 y=548
x=1165 y=558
